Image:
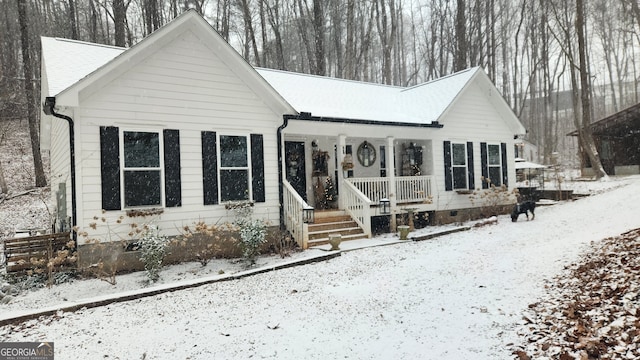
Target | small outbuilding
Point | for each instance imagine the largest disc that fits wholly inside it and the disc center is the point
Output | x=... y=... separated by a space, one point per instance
x=617 y=139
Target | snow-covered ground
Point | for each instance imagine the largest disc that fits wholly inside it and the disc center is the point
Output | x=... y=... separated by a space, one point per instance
x=459 y=296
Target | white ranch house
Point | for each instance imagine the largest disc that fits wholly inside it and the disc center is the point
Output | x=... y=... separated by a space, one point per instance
x=180 y=125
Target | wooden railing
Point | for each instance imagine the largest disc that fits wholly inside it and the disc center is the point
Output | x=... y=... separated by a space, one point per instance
x=408 y=189
x=374 y=188
x=356 y=204
x=293 y=206
x=413 y=189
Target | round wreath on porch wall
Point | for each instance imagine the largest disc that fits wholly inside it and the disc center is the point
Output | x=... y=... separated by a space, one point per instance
x=366 y=154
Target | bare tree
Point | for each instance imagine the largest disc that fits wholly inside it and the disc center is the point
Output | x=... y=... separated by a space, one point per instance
x=250 y=37
x=119 y=21
x=387 y=27
x=73 y=19
x=461 y=37
x=275 y=21
x=41 y=180
x=318 y=30
x=584 y=130
x=4 y=189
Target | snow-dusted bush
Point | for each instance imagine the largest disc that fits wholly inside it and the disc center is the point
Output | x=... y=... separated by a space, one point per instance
x=153 y=248
x=492 y=199
x=252 y=231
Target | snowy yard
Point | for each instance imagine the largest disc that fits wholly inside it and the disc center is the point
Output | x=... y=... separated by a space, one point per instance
x=460 y=296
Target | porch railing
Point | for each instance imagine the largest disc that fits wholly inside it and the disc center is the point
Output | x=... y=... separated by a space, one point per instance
x=374 y=188
x=413 y=189
x=293 y=205
x=408 y=188
x=358 y=205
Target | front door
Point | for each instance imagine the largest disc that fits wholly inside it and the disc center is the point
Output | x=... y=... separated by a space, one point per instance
x=295 y=167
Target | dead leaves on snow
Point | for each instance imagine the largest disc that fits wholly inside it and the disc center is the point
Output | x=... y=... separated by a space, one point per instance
x=594 y=311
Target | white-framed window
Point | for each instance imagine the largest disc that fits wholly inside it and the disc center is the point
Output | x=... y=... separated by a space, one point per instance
x=234 y=171
x=494 y=164
x=459 y=165
x=142 y=168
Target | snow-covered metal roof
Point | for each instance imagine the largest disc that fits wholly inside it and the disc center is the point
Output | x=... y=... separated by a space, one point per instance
x=68 y=61
x=338 y=98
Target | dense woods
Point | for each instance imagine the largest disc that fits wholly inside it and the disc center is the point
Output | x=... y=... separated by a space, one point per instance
x=540 y=53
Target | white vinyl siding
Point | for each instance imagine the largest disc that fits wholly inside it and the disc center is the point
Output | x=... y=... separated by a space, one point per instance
x=473 y=119
x=187 y=87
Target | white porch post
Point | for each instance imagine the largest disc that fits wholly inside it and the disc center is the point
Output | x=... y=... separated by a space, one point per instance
x=391 y=176
x=342 y=142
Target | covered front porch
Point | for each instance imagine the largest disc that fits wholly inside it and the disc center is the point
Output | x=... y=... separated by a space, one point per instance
x=368 y=178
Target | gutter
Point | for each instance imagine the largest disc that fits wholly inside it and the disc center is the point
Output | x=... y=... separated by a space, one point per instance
x=49 y=109
x=286 y=119
x=309 y=117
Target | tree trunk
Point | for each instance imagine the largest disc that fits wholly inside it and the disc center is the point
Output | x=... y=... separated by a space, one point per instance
x=38 y=168
x=73 y=20
x=349 y=51
x=4 y=189
x=318 y=26
x=461 y=37
x=249 y=32
x=585 y=130
x=302 y=26
x=119 y=18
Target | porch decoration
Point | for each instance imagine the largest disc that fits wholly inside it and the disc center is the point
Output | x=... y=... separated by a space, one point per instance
x=410 y=217
x=403 y=231
x=347 y=163
x=385 y=206
x=366 y=154
x=308 y=215
x=330 y=194
x=411 y=159
x=320 y=163
x=334 y=241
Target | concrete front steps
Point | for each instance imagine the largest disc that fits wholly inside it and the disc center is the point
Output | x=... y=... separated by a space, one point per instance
x=333 y=222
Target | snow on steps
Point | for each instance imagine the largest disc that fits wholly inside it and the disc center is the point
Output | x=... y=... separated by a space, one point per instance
x=333 y=222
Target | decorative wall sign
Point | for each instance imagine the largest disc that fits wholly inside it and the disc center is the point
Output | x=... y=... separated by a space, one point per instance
x=366 y=154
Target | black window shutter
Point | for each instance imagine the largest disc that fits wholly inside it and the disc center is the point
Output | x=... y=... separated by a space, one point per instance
x=110 y=167
x=448 y=176
x=484 y=164
x=470 y=171
x=172 y=183
x=209 y=167
x=257 y=167
x=505 y=174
